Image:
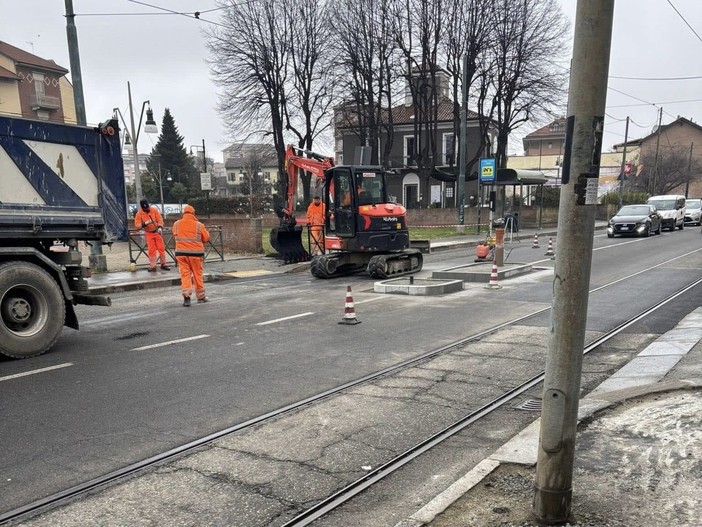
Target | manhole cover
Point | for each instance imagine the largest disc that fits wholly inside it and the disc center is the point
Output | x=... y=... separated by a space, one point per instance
x=530 y=405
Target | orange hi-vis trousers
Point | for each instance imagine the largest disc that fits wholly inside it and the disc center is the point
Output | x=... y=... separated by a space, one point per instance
x=190 y=268
x=156 y=248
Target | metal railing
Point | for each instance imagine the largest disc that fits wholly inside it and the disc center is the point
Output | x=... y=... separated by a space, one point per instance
x=214 y=249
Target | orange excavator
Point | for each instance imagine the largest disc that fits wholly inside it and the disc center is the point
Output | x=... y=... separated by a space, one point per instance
x=363 y=230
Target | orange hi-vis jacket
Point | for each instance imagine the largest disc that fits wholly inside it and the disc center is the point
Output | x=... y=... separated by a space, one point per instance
x=190 y=235
x=315 y=214
x=150 y=221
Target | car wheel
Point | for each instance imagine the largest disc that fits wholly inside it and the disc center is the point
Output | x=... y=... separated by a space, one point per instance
x=647 y=232
x=610 y=235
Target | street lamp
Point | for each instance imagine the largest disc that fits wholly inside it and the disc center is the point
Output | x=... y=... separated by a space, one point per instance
x=149 y=128
x=160 y=187
x=160 y=181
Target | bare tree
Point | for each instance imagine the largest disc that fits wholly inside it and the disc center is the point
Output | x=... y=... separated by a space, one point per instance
x=364 y=46
x=310 y=93
x=419 y=32
x=468 y=37
x=671 y=172
x=250 y=62
x=528 y=82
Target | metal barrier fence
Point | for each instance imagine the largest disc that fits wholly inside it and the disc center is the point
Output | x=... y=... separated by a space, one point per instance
x=214 y=249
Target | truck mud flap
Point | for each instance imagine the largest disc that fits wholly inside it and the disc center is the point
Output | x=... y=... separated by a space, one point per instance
x=288 y=244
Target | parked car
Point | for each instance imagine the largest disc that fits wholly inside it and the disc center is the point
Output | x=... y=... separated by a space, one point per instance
x=671 y=208
x=635 y=220
x=693 y=211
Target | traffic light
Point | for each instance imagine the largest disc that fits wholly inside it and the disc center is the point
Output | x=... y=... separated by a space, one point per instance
x=493 y=199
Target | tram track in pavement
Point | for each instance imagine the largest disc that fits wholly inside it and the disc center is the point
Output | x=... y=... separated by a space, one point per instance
x=354 y=488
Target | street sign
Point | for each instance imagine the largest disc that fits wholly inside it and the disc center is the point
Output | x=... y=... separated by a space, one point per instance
x=205 y=181
x=487 y=170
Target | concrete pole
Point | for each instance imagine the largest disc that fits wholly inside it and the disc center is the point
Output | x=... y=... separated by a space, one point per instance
x=623 y=167
x=463 y=145
x=576 y=227
x=97 y=260
x=658 y=145
x=74 y=58
x=689 y=173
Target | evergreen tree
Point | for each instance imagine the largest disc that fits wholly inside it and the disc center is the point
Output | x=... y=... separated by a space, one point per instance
x=169 y=158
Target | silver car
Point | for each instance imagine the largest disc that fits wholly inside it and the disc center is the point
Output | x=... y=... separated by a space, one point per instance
x=693 y=211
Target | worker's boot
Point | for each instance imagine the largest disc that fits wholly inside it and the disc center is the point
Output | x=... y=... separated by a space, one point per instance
x=186 y=301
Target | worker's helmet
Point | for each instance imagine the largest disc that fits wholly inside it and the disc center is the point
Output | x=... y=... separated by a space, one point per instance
x=188 y=209
x=144 y=203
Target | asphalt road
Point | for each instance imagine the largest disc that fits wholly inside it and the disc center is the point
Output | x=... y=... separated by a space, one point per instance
x=147 y=375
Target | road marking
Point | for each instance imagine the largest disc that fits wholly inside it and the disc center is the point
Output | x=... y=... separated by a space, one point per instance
x=370 y=300
x=245 y=274
x=41 y=370
x=284 y=318
x=168 y=343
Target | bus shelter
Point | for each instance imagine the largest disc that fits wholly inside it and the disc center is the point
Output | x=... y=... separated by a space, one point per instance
x=509 y=209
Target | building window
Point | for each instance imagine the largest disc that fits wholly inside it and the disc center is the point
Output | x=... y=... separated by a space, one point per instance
x=448 y=150
x=409 y=150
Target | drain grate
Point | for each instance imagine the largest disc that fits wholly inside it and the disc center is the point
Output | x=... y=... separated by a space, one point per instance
x=530 y=405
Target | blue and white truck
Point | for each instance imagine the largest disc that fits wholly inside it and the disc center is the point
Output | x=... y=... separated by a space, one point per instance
x=59 y=185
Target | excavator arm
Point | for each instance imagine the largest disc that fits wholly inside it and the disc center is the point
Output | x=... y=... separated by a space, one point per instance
x=315 y=164
x=287 y=238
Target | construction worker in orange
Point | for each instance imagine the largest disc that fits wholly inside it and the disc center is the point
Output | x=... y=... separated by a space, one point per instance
x=190 y=238
x=149 y=218
x=316 y=214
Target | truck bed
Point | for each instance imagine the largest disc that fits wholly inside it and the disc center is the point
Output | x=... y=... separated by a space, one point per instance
x=61 y=181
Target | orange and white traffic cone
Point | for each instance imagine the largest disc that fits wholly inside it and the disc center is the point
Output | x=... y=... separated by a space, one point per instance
x=535 y=245
x=549 y=249
x=493 y=278
x=349 y=310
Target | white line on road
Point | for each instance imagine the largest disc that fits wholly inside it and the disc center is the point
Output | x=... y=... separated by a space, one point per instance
x=41 y=370
x=168 y=343
x=284 y=318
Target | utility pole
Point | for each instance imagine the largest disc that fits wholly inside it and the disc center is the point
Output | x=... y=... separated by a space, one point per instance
x=576 y=228
x=98 y=261
x=74 y=58
x=658 y=144
x=689 y=173
x=461 y=187
x=623 y=168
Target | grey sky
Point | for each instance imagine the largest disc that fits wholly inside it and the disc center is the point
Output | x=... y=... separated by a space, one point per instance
x=164 y=58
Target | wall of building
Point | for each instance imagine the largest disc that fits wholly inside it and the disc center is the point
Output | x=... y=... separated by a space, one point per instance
x=239 y=235
x=68 y=102
x=9 y=98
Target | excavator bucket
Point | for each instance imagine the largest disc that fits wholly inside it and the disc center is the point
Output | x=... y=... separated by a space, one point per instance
x=288 y=243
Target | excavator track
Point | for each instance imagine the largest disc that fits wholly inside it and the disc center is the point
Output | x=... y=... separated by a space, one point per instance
x=397 y=264
x=380 y=266
x=331 y=265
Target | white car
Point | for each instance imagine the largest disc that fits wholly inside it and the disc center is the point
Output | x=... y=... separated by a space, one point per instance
x=693 y=211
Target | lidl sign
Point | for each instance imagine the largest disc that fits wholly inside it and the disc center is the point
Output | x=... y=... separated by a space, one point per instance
x=487 y=170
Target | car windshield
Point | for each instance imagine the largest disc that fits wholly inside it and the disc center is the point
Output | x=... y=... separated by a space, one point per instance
x=633 y=210
x=694 y=204
x=664 y=204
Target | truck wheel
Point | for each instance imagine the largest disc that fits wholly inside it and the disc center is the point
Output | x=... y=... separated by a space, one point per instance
x=32 y=310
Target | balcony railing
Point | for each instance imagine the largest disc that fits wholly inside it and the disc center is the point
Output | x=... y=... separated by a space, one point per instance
x=44 y=102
